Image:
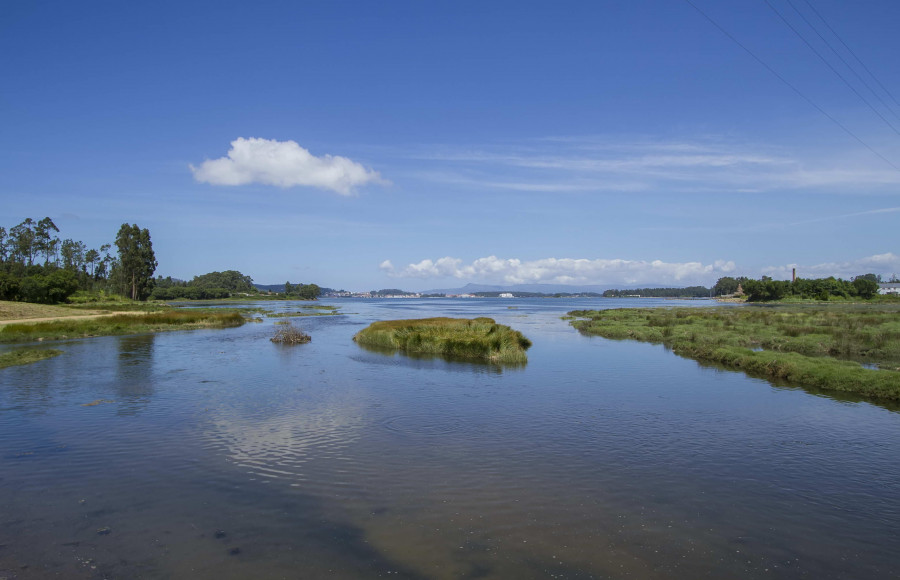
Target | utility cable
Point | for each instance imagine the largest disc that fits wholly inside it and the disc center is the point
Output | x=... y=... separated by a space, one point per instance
x=841 y=40
x=792 y=87
x=842 y=59
x=830 y=66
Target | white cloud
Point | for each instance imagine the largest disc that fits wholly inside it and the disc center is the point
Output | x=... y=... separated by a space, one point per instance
x=564 y=271
x=884 y=264
x=283 y=164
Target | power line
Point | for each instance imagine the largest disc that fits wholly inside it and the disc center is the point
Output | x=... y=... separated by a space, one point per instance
x=829 y=65
x=841 y=58
x=792 y=87
x=836 y=35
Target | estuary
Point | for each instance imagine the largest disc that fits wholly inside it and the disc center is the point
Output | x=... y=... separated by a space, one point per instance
x=219 y=454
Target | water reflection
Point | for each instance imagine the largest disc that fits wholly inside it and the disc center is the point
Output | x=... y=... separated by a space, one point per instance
x=134 y=381
x=420 y=360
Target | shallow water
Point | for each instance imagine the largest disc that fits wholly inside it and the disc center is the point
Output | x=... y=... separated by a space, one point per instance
x=218 y=454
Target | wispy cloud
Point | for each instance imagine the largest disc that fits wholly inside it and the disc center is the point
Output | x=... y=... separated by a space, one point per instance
x=283 y=164
x=707 y=164
x=563 y=271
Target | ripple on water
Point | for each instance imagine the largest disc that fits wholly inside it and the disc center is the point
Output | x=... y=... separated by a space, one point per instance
x=425 y=426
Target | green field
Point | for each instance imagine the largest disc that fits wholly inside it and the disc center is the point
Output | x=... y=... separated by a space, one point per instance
x=478 y=338
x=841 y=347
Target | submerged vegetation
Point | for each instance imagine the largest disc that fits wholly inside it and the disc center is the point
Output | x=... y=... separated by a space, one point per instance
x=318 y=310
x=289 y=334
x=24 y=356
x=820 y=347
x=120 y=324
x=478 y=338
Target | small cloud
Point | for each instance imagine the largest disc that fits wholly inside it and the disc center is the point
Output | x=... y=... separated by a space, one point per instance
x=283 y=164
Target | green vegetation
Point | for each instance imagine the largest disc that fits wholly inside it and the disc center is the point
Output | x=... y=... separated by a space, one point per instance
x=289 y=334
x=479 y=338
x=36 y=266
x=766 y=289
x=302 y=291
x=812 y=346
x=211 y=286
x=24 y=356
x=319 y=310
x=689 y=292
x=120 y=324
x=137 y=262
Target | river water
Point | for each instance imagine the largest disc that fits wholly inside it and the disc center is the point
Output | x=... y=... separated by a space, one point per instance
x=218 y=454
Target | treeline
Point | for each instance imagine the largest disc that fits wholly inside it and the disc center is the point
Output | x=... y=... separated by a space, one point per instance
x=219 y=285
x=766 y=289
x=211 y=286
x=36 y=265
x=689 y=292
x=302 y=291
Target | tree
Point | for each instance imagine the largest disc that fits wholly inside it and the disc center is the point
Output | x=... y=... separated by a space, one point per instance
x=44 y=242
x=136 y=260
x=21 y=239
x=91 y=257
x=308 y=291
x=725 y=285
x=73 y=256
x=865 y=288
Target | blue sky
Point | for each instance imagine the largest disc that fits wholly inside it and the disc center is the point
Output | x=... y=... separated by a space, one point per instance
x=365 y=145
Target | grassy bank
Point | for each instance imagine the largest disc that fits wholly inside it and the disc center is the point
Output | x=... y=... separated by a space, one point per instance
x=479 y=338
x=24 y=310
x=120 y=324
x=24 y=356
x=815 y=346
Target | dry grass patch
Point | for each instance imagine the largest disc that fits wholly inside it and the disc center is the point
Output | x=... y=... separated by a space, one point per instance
x=25 y=310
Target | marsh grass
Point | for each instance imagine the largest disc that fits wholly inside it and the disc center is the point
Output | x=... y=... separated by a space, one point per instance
x=478 y=338
x=24 y=356
x=319 y=310
x=289 y=334
x=816 y=346
x=120 y=306
x=120 y=324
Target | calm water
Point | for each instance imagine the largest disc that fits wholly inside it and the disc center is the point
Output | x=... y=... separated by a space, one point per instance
x=218 y=454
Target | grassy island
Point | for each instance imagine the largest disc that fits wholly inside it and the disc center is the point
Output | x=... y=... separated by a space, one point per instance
x=115 y=324
x=25 y=356
x=824 y=347
x=478 y=338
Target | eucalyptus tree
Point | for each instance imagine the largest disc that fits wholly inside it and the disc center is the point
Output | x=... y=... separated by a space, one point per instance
x=91 y=258
x=3 y=241
x=136 y=262
x=72 y=254
x=44 y=241
x=21 y=237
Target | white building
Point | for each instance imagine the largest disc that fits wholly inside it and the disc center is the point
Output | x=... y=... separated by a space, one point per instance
x=889 y=288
